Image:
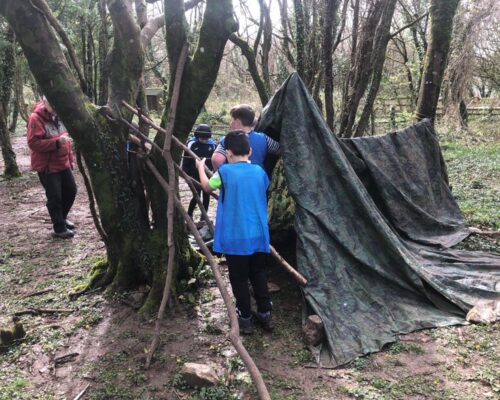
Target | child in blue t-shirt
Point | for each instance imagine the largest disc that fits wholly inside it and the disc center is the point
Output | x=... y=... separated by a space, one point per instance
x=241 y=230
x=203 y=146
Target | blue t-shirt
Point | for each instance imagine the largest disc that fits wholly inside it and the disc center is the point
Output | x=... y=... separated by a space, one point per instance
x=258 y=143
x=241 y=225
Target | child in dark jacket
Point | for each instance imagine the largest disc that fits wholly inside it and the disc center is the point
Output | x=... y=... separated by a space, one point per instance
x=203 y=146
x=241 y=230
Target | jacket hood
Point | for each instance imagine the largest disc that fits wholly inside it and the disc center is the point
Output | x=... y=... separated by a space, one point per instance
x=42 y=111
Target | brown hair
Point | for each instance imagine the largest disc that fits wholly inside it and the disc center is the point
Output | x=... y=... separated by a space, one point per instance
x=244 y=113
x=237 y=142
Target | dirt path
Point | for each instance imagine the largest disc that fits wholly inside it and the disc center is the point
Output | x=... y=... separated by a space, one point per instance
x=109 y=338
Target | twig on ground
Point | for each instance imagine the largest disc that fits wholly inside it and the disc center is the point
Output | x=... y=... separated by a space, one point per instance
x=75 y=295
x=37 y=293
x=478 y=231
x=38 y=311
x=80 y=395
x=65 y=359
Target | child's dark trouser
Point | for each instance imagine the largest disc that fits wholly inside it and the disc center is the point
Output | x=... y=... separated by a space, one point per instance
x=60 y=189
x=253 y=268
x=193 y=203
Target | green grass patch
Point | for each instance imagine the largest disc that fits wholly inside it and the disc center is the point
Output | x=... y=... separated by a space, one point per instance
x=405 y=347
x=474 y=172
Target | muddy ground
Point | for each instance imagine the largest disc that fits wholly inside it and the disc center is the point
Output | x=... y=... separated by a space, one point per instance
x=105 y=339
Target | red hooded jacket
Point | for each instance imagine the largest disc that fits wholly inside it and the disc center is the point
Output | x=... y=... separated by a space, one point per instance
x=48 y=153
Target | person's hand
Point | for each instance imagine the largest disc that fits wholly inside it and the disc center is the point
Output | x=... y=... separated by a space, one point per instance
x=64 y=139
x=200 y=163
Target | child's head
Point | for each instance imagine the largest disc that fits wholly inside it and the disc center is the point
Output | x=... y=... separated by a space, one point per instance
x=203 y=132
x=237 y=145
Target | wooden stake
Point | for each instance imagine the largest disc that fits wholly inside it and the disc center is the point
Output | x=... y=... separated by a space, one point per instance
x=170 y=201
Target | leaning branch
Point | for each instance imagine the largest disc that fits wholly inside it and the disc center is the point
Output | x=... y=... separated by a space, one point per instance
x=170 y=201
x=90 y=191
x=408 y=25
x=153 y=25
x=192 y=183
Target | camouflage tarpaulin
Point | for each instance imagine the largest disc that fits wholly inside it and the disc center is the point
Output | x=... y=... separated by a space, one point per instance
x=366 y=282
x=406 y=177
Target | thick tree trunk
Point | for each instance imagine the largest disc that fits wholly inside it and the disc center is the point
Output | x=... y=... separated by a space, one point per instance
x=7 y=72
x=330 y=26
x=11 y=169
x=382 y=37
x=199 y=77
x=441 y=16
x=299 y=38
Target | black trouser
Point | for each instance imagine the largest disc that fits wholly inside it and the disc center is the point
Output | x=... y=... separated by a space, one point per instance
x=193 y=203
x=253 y=268
x=60 y=189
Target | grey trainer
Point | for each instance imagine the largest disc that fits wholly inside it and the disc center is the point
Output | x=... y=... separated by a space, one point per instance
x=67 y=234
x=246 y=325
x=265 y=320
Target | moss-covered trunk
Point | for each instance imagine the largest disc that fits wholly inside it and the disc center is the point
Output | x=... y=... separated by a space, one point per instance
x=11 y=169
x=441 y=14
x=7 y=71
x=382 y=37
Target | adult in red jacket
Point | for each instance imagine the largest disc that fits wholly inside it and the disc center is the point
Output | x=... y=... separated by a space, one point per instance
x=52 y=158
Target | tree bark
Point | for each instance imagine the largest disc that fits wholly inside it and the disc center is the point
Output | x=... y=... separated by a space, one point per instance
x=7 y=72
x=382 y=37
x=252 y=67
x=267 y=28
x=102 y=97
x=361 y=70
x=330 y=26
x=299 y=38
x=11 y=170
x=441 y=16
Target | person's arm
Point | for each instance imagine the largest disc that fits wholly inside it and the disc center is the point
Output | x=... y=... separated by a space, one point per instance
x=219 y=156
x=200 y=166
x=273 y=147
x=37 y=140
x=71 y=156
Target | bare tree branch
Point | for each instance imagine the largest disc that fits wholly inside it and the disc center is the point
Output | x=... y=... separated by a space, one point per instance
x=409 y=25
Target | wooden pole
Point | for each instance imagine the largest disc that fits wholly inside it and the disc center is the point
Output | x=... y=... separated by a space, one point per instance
x=170 y=201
